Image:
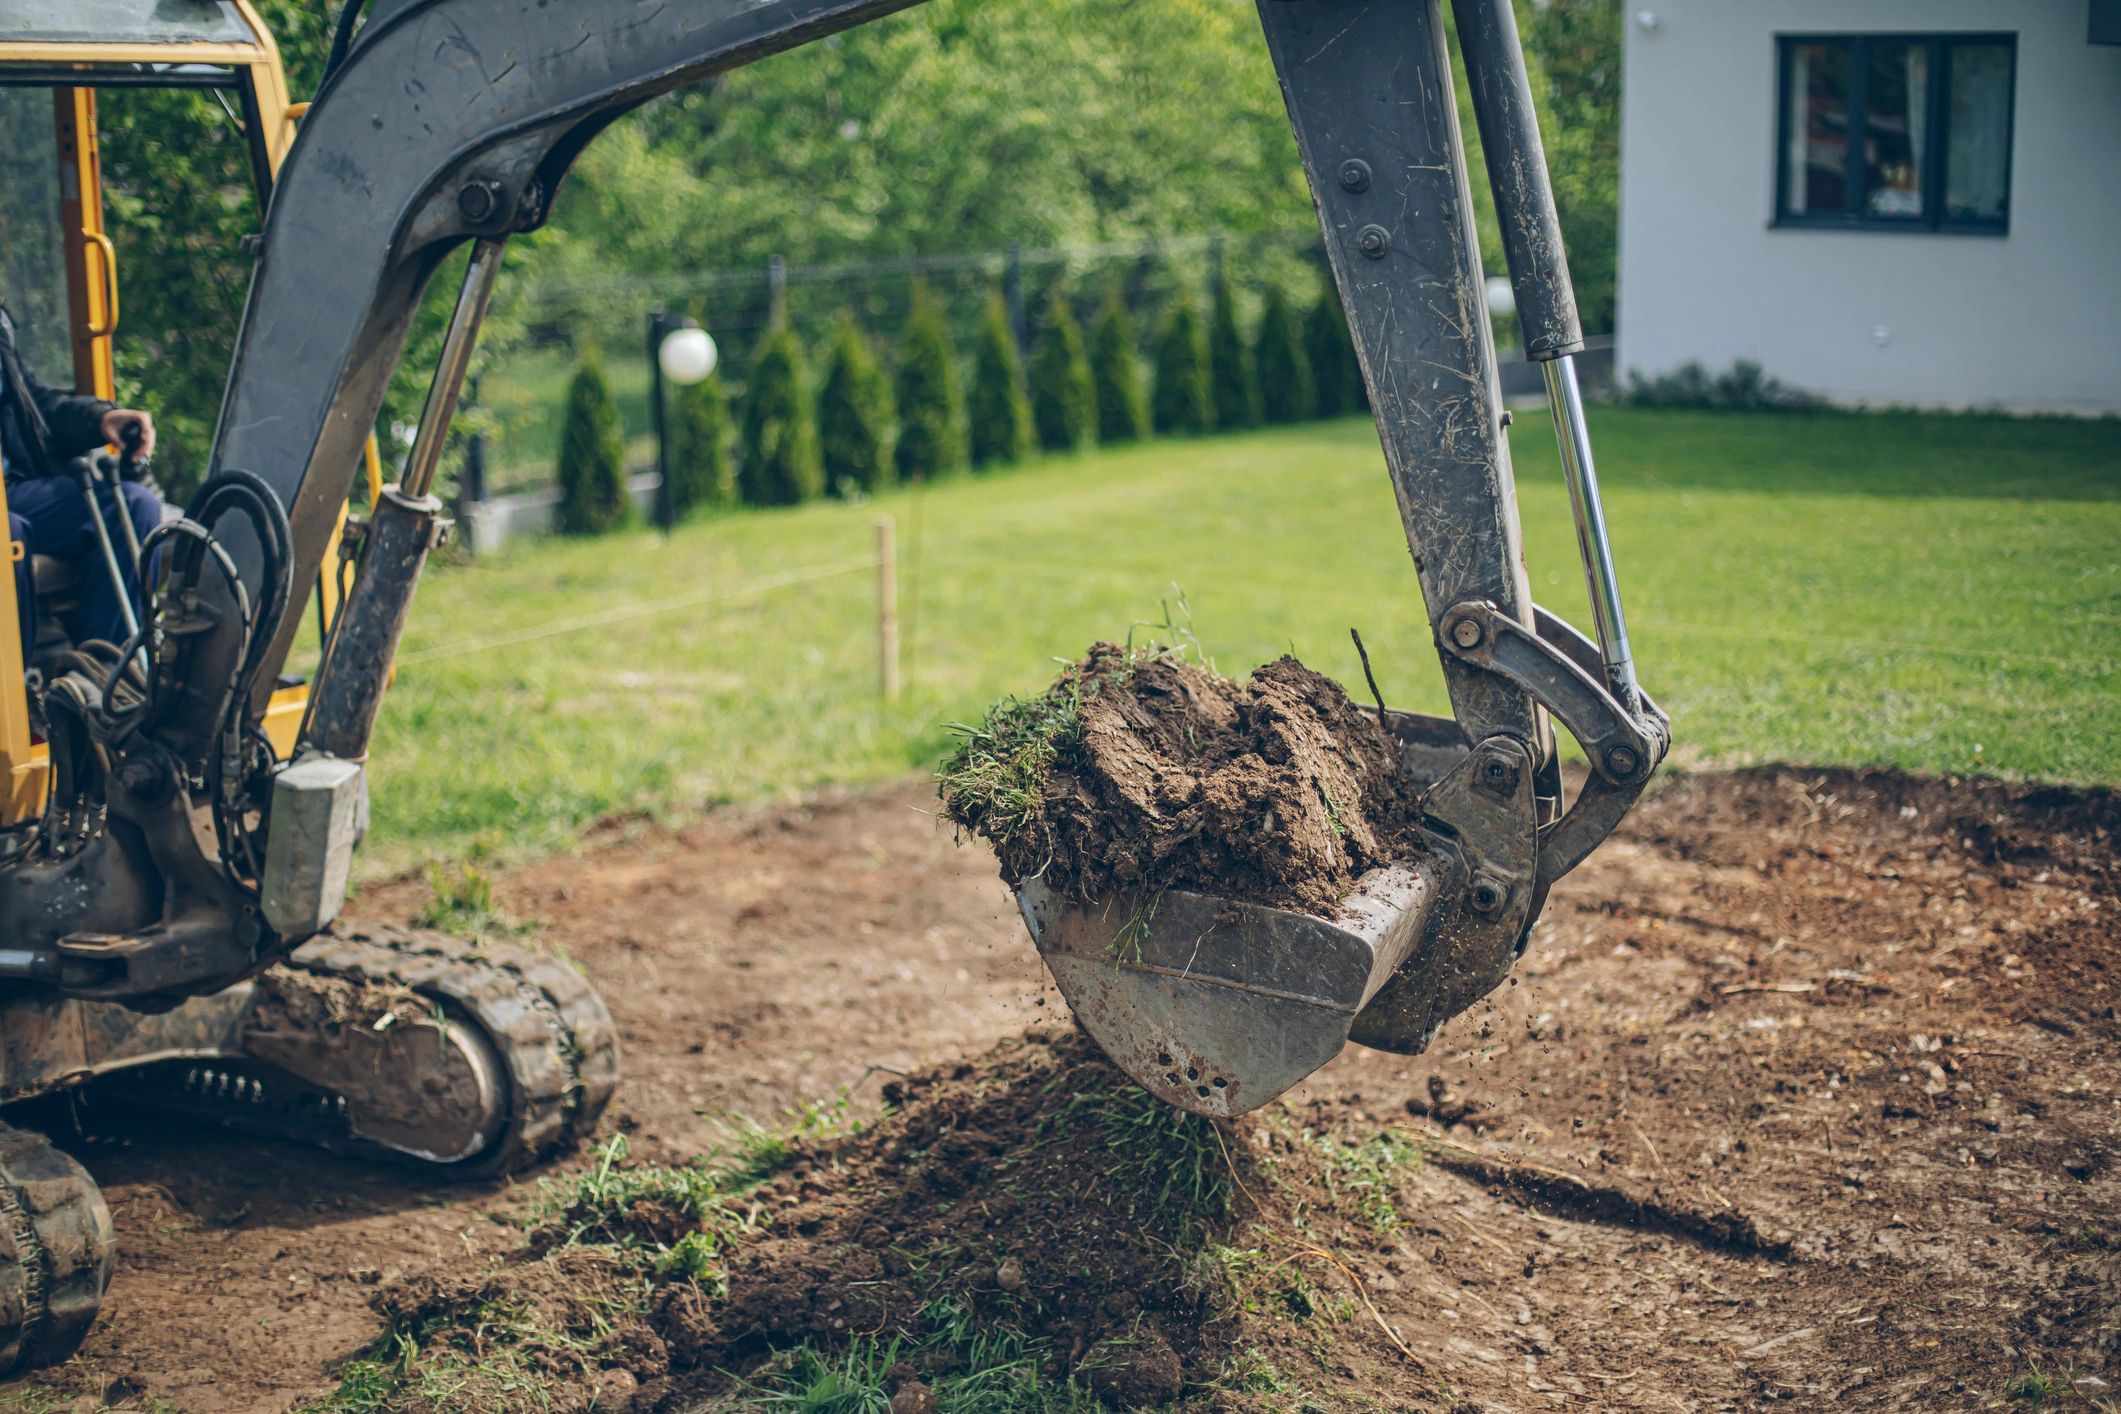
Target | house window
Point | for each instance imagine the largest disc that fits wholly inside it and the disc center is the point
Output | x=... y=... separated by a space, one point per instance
x=1895 y=132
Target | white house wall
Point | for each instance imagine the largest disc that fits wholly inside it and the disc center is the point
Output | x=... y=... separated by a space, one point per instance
x=2028 y=320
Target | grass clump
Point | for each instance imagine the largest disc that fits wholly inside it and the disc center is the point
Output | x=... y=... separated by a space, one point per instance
x=993 y=781
x=646 y=1208
x=981 y=1372
x=1167 y=1166
x=463 y=904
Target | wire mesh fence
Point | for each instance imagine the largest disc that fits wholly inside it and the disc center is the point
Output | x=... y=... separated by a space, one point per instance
x=521 y=390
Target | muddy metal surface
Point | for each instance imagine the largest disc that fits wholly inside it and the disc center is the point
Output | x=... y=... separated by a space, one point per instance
x=1808 y=1095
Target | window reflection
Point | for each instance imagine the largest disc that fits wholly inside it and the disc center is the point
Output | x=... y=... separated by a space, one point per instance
x=1818 y=101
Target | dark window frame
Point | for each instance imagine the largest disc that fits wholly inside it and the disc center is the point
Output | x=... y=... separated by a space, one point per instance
x=1852 y=217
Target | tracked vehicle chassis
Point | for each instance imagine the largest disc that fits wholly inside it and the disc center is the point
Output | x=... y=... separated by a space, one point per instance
x=463 y=1060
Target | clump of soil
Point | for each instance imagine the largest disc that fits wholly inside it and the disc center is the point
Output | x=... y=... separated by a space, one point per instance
x=1146 y=771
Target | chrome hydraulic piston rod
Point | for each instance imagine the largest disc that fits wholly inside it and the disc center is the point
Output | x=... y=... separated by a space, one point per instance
x=1546 y=298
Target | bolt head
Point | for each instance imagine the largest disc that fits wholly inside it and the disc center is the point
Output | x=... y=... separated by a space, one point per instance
x=1498 y=774
x=1622 y=761
x=477 y=200
x=1374 y=241
x=1466 y=633
x=1486 y=897
x=1355 y=175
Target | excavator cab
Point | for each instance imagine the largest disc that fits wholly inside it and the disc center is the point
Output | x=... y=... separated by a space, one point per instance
x=61 y=264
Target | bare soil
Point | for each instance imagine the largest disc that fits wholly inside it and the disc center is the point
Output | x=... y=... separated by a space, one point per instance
x=1808 y=1093
x=1276 y=789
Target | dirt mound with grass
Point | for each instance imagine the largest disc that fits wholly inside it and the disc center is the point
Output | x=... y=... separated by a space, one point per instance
x=1144 y=771
x=1026 y=1231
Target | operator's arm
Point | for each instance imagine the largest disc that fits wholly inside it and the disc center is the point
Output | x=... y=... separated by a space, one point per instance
x=79 y=423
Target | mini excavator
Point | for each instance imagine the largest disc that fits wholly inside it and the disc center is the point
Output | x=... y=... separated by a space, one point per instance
x=178 y=813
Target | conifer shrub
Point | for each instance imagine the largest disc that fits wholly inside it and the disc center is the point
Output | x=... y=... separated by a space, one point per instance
x=854 y=414
x=1182 y=404
x=1235 y=395
x=1063 y=396
x=1122 y=406
x=1286 y=393
x=779 y=464
x=1000 y=410
x=592 y=462
x=702 y=476
x=931 y=402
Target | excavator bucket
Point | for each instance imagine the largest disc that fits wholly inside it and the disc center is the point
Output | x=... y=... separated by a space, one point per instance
x=1218 y=1005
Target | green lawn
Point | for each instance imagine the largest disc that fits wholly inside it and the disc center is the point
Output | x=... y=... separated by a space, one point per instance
x=1939 y=593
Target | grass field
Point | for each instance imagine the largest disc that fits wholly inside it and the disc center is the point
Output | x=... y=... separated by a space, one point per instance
x=1938 y=593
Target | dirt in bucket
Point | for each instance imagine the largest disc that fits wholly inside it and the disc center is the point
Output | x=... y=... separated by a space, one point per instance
x=1144 y=770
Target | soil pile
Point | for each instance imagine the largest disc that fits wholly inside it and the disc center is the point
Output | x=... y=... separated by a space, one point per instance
x=1029 y=1223
x=1145 y=771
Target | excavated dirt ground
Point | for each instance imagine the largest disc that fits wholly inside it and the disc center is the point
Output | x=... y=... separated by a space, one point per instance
x=1275 y=789
x=1808 y=1095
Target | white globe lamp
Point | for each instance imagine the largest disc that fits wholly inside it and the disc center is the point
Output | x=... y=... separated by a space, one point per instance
x=687 y=356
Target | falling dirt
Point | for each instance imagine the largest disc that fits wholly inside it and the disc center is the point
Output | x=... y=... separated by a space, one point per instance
x=1805 y=1096
x=1278 y=790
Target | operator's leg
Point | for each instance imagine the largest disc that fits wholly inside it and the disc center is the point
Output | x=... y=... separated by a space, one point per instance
x=59 y=525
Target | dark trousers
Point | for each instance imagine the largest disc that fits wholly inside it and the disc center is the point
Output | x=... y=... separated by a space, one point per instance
x=51 y=517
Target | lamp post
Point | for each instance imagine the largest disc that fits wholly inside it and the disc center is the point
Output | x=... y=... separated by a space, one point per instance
x=681 y=352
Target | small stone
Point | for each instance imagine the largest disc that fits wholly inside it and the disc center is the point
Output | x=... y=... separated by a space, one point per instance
x=913 y=1398
x=1132 y=1371
x=1010 y=1275
x=613 y=1389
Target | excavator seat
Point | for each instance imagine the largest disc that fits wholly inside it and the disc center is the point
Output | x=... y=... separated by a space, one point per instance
x=54 y=577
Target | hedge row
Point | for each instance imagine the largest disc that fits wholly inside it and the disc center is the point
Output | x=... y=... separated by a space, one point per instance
x=865 y=427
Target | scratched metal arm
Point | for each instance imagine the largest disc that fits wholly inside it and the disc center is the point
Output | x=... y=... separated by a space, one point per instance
x=452 y=123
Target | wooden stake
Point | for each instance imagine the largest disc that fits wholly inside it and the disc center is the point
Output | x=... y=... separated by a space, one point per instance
x=887 y=607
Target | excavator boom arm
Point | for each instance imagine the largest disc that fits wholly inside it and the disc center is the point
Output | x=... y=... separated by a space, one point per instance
x=450 y=122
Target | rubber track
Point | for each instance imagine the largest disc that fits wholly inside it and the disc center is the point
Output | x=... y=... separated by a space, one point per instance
x=546 y=1021
x=56 y=1251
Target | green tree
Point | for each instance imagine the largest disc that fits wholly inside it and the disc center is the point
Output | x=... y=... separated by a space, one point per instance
x=1122 y=409
x=1182 y=403
x=701 y=473
x=779 y=464
x=854 y=413
x=1286 y=393
x=1063 y=397
x=931 y=402
x=1001 y=413
x=592 y=469
x=1235 y=394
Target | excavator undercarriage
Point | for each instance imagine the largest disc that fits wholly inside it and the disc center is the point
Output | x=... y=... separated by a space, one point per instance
x=167 y=918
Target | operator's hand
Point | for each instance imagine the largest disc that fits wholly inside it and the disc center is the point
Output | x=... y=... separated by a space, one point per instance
x=117 y=420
